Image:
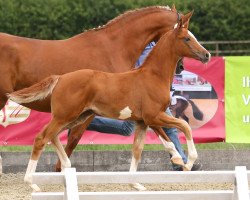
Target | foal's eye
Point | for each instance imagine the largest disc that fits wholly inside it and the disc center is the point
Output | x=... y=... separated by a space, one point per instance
x=187 y=39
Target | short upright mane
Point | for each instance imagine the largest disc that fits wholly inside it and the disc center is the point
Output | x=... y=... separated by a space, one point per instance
x=131 y=12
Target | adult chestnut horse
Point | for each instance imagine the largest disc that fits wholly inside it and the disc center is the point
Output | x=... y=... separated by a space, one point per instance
x=141 y=95
x=114 y=47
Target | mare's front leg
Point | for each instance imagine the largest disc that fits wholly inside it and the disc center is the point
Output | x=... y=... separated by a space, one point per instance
x=140 y=133
x=73 y=139
x=49 y=132
x=169 y=146
x=170 y=122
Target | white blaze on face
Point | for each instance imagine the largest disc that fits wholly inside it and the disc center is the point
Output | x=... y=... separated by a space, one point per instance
x=192 y=36
x=125 y=113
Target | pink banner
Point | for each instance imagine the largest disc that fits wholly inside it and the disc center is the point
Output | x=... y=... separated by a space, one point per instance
x=19 y=125
x=213 y=72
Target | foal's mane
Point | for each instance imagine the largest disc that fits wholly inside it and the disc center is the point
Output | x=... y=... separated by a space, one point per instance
x=130 y=13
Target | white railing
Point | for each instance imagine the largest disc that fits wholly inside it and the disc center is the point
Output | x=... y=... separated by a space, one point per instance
x=70 y=179
x=217 y=50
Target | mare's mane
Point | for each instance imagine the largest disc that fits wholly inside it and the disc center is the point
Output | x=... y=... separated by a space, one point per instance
x=129 y=13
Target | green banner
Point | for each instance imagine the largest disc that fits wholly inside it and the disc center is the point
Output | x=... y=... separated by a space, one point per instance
x=237 y=99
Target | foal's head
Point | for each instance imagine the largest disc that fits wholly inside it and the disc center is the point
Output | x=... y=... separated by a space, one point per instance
x=185 y=43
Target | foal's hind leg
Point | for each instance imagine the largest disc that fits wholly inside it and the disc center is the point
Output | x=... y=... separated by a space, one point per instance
x=169 y=146
x=73 y=139
x=140 y=133
x=64 y=159
x=168 y=121
x=48 y=133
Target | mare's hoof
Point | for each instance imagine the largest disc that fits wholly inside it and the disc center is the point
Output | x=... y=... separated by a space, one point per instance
x=58 y=167
x=138 y=187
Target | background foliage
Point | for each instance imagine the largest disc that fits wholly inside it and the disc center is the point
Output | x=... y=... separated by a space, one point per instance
x=59 y=19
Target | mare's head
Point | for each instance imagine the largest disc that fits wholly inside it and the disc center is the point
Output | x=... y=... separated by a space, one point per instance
x=185 y=43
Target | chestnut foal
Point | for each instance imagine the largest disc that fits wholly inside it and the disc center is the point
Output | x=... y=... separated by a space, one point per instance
x=141 y=95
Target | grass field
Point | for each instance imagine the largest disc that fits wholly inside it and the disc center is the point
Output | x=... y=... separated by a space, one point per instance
x=128 y=147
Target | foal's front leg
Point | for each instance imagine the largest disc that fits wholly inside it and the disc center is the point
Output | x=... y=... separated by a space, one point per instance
x=170 y=122
x=140 y=133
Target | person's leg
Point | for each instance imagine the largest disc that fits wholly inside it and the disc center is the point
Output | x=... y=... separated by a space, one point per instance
x=113 y=126
x=173 y=135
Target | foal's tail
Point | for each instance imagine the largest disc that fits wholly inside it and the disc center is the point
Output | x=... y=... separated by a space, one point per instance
x=197 y=113
x=35 y=92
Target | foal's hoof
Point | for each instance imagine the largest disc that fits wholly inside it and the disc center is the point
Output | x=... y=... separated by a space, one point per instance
x=35 y=188
x=138 y=187
x=177 y=161
x=186 y=168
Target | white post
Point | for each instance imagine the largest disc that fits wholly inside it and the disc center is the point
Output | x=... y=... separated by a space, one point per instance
x=241 y=184
x=1 y=165
x=71 y=187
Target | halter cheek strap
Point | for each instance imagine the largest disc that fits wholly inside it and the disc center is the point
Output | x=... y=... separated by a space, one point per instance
x=178 y=16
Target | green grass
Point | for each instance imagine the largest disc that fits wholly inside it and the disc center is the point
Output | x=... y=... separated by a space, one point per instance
x=128 y=147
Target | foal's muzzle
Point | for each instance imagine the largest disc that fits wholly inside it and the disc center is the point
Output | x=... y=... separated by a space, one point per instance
x=205 y=57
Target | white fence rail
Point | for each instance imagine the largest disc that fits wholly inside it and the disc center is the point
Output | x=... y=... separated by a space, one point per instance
x=70 y=178
x=231 y=47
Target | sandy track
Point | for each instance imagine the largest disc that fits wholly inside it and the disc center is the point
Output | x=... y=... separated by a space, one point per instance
x=12 y=187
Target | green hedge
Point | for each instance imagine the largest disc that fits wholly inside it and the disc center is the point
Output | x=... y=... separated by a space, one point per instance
x=58 y=19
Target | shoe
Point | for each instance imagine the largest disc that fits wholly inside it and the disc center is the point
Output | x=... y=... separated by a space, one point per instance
x=197 y=167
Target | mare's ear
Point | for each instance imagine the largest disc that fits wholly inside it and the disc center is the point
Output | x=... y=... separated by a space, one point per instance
x=173 y=8
x=186 y=18
x=180 y=23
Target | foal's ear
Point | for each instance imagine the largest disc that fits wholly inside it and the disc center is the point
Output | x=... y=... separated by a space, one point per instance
x=184 y=21
x=173 y=8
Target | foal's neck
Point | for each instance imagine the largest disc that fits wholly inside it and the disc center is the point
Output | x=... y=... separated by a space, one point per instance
x=162 y=60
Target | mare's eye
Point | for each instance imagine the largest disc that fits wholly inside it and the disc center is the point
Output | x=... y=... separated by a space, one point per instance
x=187 y=39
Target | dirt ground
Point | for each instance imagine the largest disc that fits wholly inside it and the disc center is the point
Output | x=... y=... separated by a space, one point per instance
x=13 y=187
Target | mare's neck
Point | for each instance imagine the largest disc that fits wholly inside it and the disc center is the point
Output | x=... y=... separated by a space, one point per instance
x=132 y=33
x=162 y=60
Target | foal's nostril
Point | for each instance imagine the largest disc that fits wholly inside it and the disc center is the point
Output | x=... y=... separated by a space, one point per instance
x=207 y=55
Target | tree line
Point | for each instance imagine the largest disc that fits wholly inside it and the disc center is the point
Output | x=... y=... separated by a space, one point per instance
x=60 y=19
